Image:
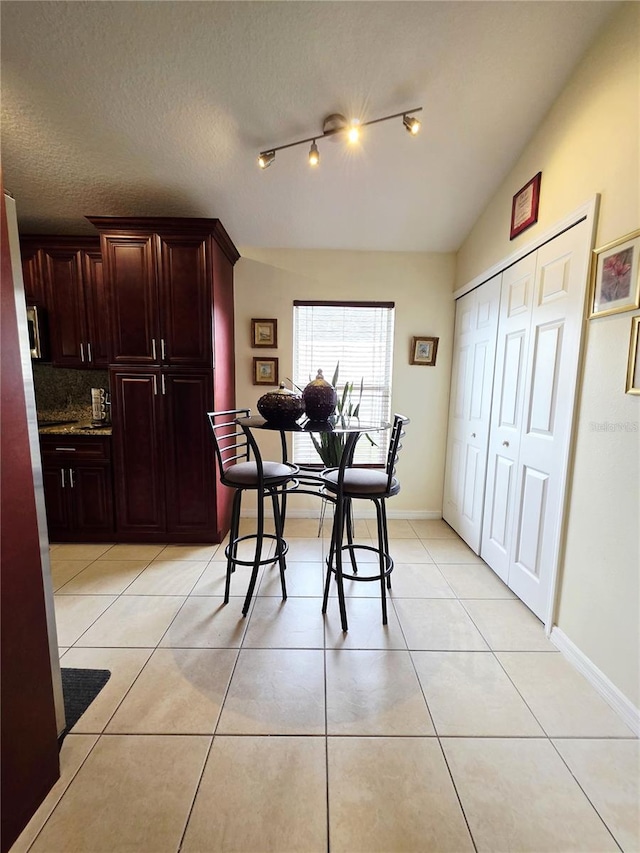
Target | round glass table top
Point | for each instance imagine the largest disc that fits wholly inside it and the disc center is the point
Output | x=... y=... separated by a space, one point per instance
x=336 y=424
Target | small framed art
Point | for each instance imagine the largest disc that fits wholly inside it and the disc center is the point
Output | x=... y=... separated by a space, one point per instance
x=615 y=276
x=423 y=350
x=264 y=333
x=265 y=371
x=524 y=208
x=633 y=367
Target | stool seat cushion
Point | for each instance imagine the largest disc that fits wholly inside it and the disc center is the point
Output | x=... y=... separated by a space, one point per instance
x=361 y=481
x=246 y=473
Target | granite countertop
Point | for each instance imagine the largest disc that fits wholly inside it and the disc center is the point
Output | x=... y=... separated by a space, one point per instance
x=69 y=422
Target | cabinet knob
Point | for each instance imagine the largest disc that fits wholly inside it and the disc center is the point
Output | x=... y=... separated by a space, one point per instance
x=505 y=444
x=473 y=435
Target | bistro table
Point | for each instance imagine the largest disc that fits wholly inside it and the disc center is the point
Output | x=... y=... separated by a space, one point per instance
x=310 y=482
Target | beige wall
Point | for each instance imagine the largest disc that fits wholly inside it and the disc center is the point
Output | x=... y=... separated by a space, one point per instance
x=268 y=280
x=590 y=143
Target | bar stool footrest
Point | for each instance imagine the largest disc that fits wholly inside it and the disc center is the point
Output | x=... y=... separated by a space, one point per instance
x=279 y=552
x=352 y=548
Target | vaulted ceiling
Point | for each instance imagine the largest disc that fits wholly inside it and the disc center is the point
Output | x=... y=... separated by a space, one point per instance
x=160 y=109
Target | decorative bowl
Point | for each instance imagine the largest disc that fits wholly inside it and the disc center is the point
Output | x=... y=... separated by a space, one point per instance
x=281 y=407
x=320 y=399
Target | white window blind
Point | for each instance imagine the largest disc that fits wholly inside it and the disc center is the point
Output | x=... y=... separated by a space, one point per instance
x=358 y=335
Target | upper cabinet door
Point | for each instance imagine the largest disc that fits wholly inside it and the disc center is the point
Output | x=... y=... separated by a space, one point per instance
x=65 y=299
x=96 y=305
x=130 y=273
x=34 y=293
x=184 y=276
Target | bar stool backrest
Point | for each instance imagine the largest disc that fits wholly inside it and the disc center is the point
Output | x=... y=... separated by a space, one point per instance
x=395 y=446
x=231 y=443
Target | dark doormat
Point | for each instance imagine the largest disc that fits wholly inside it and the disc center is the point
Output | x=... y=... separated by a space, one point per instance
x=80 y=687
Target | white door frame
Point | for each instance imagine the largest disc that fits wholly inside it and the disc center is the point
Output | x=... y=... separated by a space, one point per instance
x=588 y=212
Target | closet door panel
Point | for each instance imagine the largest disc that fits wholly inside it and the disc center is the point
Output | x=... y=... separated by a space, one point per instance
x=470 y=409
x=551 y=377
x=516 y=304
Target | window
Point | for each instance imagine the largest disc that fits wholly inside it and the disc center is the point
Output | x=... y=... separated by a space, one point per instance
x=358 y=335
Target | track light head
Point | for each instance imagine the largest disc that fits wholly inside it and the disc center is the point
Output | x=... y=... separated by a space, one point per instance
x=411 y=124
x=266 y=158
x=353 y=134
x=314 y=154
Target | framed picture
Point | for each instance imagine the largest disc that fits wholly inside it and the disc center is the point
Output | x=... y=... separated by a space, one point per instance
x=424 y=350
x=633 y=368
x=524 y=208
x=264 y=333
x=265 y=371
x=615 y=276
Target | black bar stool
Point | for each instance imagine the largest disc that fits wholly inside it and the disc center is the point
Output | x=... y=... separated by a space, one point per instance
x=348 y=484
x=234 y=447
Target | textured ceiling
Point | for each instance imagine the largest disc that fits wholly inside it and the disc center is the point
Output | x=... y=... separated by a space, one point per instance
x=160 y=108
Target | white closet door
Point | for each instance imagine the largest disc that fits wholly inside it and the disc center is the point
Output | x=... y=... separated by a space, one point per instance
x=470 y=409
x=552 y=368
x=506 y=415
x=541 y=313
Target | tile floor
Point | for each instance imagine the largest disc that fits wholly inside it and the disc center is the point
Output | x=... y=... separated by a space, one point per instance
x=457 y=727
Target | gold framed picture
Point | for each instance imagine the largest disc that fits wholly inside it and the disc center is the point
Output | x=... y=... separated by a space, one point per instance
x=424 y=350
x=265 y=371
x=615 y=277
x=264 y=333
x=633 y=367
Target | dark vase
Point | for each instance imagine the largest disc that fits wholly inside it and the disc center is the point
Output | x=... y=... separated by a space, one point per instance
x=281 y=407
x=320 y=399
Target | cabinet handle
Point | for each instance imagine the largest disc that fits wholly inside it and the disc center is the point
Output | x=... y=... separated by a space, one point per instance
x=89 y=351
x=153 y=348
x=71 y=477
x=162 y=349
x=155 y=385
x=67 y=449
x=81 y=352
x=505 y=444
x=164 y=387
x=62 y=476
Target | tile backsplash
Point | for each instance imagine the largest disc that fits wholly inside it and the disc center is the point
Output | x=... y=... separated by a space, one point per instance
x=64 y=392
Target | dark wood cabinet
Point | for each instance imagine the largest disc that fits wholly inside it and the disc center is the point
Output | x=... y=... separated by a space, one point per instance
x=78 y=487
x=161 y=283
x=165 y=483
x=65 y=275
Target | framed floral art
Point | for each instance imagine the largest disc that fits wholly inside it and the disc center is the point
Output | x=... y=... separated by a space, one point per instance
x=615 y=276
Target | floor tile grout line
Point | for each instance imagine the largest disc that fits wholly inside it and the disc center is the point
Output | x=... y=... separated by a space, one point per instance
x=587 y=797
x=62 y=793
x=195 y=794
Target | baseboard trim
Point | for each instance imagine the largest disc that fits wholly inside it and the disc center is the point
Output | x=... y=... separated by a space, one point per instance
x=409 y=515
x=606 y=688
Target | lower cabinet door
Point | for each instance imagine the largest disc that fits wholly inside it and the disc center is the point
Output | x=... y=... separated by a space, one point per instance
x=57 y=497
x=189 y=462
x=136 y=403
x=93 y=500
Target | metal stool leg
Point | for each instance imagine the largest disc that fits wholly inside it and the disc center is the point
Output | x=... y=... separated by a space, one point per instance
x=233 y=535
x=277 y=520
x=382 y=558
x=257 y=555
x=383 y=509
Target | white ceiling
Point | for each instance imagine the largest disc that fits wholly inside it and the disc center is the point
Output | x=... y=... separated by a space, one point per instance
x=160 y=108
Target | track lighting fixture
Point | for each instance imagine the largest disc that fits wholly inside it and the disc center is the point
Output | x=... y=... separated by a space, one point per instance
x=411 y=124
x=266 y=158
x=336 y=124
